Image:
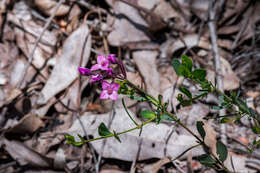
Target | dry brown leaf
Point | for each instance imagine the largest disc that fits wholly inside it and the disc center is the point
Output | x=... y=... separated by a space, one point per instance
x=231 y=81
x=153 y=137
x=48 y=6
x=27 y=125
x=124 y=30
x=146 y=63
x=65 y=70
x=24 y=155
x=154 y=168
x=159 y=7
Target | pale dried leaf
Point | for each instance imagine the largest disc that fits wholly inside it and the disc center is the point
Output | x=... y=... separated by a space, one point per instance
x=48 y=6
x=153 y=137
x=146 y=63
x=65 y=70
x=28 y=124
x=25 y=155
x=124 y=30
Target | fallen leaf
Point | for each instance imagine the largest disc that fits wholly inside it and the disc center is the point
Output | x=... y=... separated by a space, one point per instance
x=153 y=137
x=65 y=70
x=27 y=125
x=24 y=155
x=48 y=6
x=146 y=63
x=128 y=25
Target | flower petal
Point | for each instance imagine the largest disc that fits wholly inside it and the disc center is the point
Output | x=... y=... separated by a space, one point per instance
x=112 y=59
x=114 y=95
x=105 y=85
x=101 y=59
x=84 y=71
x=96 y=78
x=104 y=95
x=115 y=86
x=95 y=67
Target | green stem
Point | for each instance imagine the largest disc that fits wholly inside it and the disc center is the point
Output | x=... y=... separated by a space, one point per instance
x=143 y=93
x=120 y=133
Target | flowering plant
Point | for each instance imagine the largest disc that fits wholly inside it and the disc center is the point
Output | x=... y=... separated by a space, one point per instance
x=102 y=71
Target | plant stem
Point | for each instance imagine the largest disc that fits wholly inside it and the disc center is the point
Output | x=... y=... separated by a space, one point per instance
x=120 y=133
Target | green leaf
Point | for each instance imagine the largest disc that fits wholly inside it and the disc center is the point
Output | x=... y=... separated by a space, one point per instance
x=186 y=92
x=133 y=97
x=116 y=136
x=70 y=140
x=199 y=74
x=167 y=117
x=256 y=143
x=256 y=129
x=184 y=71
x=147 y=114
x=206 y=159
x=224 y=120
x=103 y=130
x=176 y=64
x=217 y=107
x=187 y=62
x=200 y=129
x=222 y=151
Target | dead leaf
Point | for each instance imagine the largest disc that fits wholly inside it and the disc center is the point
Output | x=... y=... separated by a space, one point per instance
x=127 y=19
x=65 y=70
x=48 y=6
x=154 y=168
x=146 y=63
x=25 y=155
x=27 y=125
x=153 y=136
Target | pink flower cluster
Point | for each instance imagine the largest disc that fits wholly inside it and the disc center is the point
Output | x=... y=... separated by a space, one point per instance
x=102 y=70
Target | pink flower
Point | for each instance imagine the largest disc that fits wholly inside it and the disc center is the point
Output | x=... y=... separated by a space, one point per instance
x=96 y=78
x=102 y=63
x=84 y=71
x=110 y=90
x=112 y=59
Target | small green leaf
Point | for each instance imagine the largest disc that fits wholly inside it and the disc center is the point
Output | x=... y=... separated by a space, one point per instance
x=186 y=92
x=167 y=117
x=224 y=120
x=200 y=129
x=103 y=130
x=116 y=136
x=184 y=71
x=70 y=140
x=176 y=64
x=147 y=114
x=206 y=159
x=187 y=62
x=199 y=74
x=222 y=151
x=217 y=107
x=256 y=129
x=256 y=143
x=133 y=97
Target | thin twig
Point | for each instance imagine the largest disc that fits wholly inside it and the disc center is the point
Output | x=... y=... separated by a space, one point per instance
x=37 y=42
x=213 y=37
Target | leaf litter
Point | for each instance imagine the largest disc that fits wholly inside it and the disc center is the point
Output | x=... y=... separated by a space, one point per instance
x=53 y=100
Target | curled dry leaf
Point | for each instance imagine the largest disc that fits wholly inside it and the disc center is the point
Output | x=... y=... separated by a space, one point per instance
x=159 y=7
x=153 y=138
x=65 y=69
x=146 y=63
x=24 y=155
x=27 y=125
x=128 y=25
x=231 y=81
x=48 y=6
